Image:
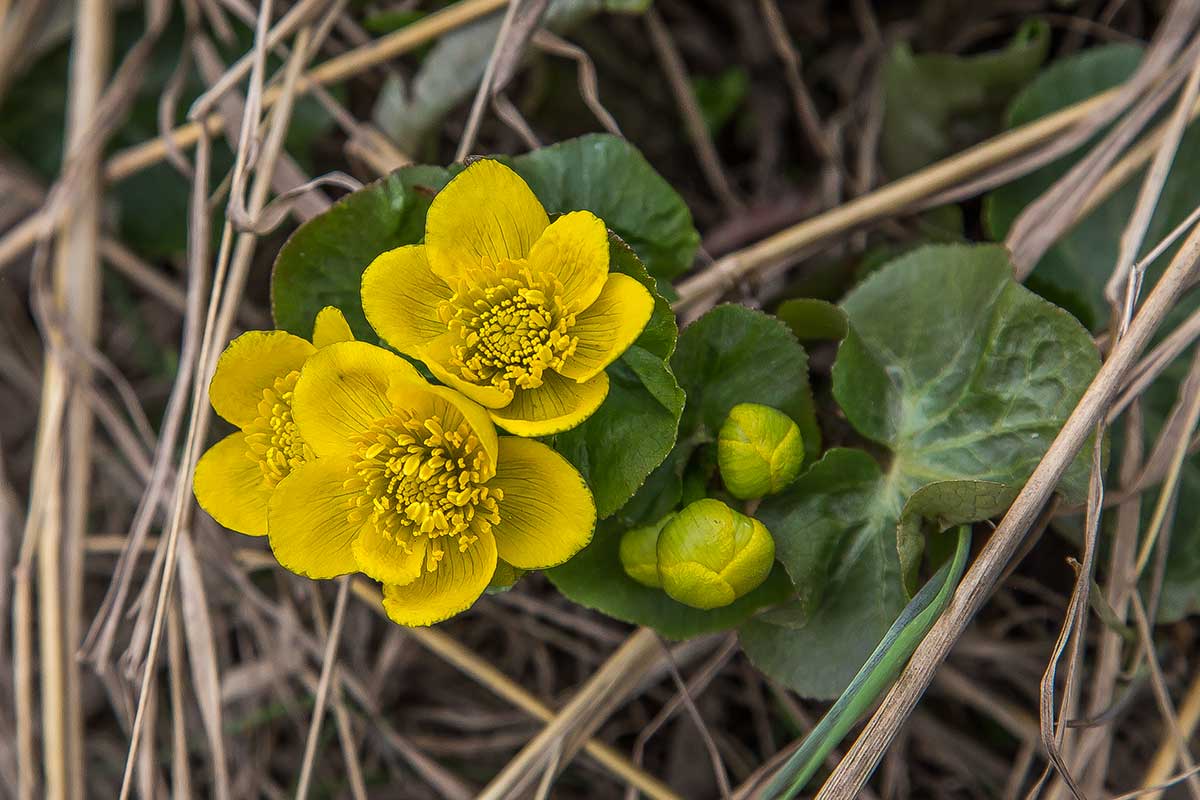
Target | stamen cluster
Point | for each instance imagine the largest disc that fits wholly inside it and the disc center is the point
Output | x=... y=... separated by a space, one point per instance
x=512 y=326
x=273 y=439
x=414 y=478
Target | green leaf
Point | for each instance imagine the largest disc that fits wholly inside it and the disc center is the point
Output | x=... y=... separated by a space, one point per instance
x=596 y=579
x=720 y=95
x=964 y=376
x=607 y=175
x=813 y=320
x=617 y=447
x=937 y=104
x=735 y=355
x=834 y=531
x=323 y=261
x=942 y=506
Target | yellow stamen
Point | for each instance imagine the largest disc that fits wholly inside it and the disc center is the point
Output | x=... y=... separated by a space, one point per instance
x=273 y=439
x=512 y=326
x=416 y=478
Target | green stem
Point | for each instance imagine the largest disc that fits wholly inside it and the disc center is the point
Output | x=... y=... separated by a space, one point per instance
x=884 y=664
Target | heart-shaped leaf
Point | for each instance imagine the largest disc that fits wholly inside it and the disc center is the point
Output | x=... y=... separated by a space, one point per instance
x=963 y=375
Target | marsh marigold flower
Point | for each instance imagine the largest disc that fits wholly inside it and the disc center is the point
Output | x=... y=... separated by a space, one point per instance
x=252 y=387
x=412 y=486
x=518 y=313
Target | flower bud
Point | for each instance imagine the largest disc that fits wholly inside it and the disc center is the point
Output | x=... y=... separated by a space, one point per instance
x=639 y=552
x=710 y=555
x=759 y=451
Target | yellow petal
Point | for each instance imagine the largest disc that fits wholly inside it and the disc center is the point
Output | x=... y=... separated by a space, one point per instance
x=308 y=520
x=436 y=356
x=547 y=513
x=400 y=296
x=607 y=327
x=453 y=587
x=484 y=215
x=559 y=404
x=342 y=390
x=386 y=561
x=452 y=407
x=250 y=364
x=229 y=485
x=331 y=327
x=575 y=249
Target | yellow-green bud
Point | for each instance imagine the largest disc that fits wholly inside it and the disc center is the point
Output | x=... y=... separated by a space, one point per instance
x=759 y=451
x=710 y=555
x=639 y=552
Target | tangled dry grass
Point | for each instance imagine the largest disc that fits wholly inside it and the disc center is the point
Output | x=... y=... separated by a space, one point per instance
x=145 y=650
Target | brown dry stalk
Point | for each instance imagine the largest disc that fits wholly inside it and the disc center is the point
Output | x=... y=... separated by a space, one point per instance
x=589 y=706
x=339 y=68
x=483 y=672
x=63 y=522
x=328 y=668
x=1167 y=755
x=689 y=109
x=727 y=271
x=216 y=329
x=454 y=653
x=987 y=568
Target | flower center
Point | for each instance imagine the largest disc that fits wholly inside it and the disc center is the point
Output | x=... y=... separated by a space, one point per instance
x=273 y=439
x=416 y=478
x=512 y=326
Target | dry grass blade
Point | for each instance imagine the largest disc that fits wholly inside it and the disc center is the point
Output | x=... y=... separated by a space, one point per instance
x=1156 y=777
x=201 y=650
x=1177 y=438
x=587 y=708
x=802 y=102
x=216 y=330
x=689 y=109
x=1045 y=220
x=328 y=669
x=727 y=271
x=519 y=22
x=181 y=773
x=346 y=65
x=589 y=88
x=76 y=287
x=685 y=695
x=1173 y=730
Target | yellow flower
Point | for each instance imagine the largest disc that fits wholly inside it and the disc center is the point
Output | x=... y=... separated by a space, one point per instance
x=516 y=312
x=252 y=388
x=412 y=486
